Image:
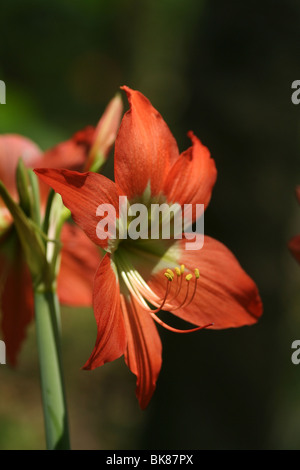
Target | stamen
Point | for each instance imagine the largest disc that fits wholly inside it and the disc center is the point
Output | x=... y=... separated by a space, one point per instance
x=170 y=272
x=133 y=291
x=168 y=276
x=178 y=284
x=188 y=277
x=150 y=301
x=197 y=276
x=136 y=278
x=170 y=279
x=176 y=330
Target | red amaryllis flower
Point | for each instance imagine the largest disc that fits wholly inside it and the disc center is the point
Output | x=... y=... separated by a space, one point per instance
x=294 y=243
x=79 y=259
x=137 y=278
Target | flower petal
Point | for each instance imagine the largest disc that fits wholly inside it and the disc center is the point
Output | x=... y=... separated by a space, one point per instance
x=111 y=338
x=144 y=148
x=70 y=154
x=13 y=147
x=16 y=301
x=82 y=193
x=294 y=247
x=143 y=354
x=80 y=259
x=192 y=177
x=225 y=295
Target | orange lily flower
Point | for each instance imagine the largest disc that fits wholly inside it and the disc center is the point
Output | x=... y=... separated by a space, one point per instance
x=137 y=278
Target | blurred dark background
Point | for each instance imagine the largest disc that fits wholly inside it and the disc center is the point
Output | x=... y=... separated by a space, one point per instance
x=224 y=70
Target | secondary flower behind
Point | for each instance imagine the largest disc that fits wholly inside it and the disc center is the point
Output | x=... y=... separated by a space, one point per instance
x=79 y=257
x=16 y=284
x=138 y=278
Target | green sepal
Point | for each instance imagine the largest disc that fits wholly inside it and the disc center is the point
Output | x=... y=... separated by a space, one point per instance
x=29 y=191
x=98 y=163
x=23 y=187
x=35 y=193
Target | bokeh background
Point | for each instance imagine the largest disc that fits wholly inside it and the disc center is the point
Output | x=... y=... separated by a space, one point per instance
x=224 y=70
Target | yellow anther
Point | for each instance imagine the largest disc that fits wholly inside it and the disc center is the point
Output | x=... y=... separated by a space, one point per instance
x=182 y=268
x=188 y=277
x=168 y=276
x=177 y=271
x=170 y=272
x=197 y=275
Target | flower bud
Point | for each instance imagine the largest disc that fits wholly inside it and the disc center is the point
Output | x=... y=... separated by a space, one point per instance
x=105 y=134
x=23 y=187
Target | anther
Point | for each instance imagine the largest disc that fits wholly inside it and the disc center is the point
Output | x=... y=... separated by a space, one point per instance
x=182 y=268
x=177 y=271
x=169 y=271
x=188 y=277
x=168 y=276
x=197 y=275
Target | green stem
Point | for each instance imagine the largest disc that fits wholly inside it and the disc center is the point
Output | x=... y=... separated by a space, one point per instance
x=53 y=394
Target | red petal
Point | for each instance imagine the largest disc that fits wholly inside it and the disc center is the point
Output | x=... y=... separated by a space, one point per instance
x=13 y=147
x=143 y=354
x=80 y=259
x=225 y=296
x=70 y=154
x=82 y=193
x=192 y=177
x=16 y=303
x=294 y=247
x=144 y=148
x=111 y=338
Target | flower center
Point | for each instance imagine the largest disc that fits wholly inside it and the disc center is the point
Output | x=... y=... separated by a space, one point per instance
x=180 y=290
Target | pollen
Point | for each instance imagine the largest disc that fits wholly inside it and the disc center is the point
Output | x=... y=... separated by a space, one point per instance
x=173 y=295
x=170 y=272
x=169 y=276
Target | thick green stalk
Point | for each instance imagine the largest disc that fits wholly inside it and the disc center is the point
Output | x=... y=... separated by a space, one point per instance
x=53 y=394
